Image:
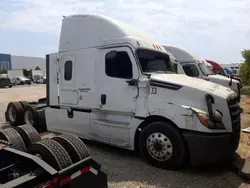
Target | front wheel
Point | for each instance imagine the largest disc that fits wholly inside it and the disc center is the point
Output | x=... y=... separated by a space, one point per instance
x=162 y=145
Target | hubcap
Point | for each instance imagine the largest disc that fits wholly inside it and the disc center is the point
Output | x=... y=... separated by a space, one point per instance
x=159 y=146
x=12 y=114
x=28 y=118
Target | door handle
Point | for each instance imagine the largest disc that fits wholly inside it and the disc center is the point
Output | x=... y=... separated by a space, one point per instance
x=103 y=99
x=132 y=82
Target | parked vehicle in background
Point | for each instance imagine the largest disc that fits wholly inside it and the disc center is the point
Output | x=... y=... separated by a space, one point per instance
x=20 y=80
x=5 y=81
x=218 y=69
x=37 y=76
x=197 y=67
x=44 y=80
x=177 y=66
x=15 y=73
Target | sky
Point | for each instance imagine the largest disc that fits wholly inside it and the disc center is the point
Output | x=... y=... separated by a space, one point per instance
x=217 y=30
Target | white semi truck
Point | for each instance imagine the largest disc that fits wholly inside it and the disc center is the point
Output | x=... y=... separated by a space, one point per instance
x=38 y=76
x=194 y=66
x=111 y=83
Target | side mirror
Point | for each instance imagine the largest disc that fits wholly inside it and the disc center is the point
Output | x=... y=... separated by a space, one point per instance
x=132 y=82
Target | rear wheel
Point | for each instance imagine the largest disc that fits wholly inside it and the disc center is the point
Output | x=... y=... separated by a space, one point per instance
x=28 y=134
x=12 y=136
x=31 y=117
x=24 y=103
x=52 y=153
x=162 y=145
x=15 y=113
x=75 y=147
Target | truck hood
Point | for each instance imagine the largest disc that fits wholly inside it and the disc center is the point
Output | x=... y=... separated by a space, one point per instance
x=224 y=81
x=220 y=77
x=191 y=82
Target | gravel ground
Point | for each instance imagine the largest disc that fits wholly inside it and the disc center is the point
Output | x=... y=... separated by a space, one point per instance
x=126 y=169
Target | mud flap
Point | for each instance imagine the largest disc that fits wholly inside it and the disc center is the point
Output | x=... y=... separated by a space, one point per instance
x=243 y=166
x=89 y=180
x=90 y=175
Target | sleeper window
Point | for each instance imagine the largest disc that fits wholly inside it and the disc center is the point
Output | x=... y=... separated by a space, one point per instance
x=118 y=65
x=68 y=70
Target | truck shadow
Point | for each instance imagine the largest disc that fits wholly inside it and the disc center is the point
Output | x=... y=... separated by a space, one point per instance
x=127 y=166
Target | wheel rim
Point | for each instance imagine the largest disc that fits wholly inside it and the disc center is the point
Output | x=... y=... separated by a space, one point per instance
x=12 y=114
x=159 y=146
x=28 y=118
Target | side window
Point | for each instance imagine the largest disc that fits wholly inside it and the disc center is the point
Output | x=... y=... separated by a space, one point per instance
x=68 y=70
x=118 y=65
x=191 y=70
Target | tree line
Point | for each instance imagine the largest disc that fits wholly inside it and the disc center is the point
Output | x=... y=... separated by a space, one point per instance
x=245 y=68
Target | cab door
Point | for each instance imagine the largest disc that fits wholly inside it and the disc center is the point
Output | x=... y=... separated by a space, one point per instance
x=67 y=91
x=116 y=78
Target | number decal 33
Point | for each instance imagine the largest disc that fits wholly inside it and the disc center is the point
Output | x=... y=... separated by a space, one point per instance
x=153 y=90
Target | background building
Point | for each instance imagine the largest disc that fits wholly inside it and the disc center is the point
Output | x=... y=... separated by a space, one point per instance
x=5 y=61
x=235 y=67
x=8 y=62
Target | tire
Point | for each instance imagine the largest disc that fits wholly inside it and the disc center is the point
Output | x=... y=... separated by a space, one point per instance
x=15 y=113
x=10 y=86
x=28 y=134
x=24 y=103
x=75 y=147
x=165 y=141
x=12 y=136
x=52 y=153
x=31 y=117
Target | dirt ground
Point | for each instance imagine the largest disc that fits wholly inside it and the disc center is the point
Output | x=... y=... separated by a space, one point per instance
x=244 y=147
x=127 y=169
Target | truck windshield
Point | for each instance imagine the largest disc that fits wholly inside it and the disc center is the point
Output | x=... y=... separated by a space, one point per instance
x=154 y=62
x=205 y=70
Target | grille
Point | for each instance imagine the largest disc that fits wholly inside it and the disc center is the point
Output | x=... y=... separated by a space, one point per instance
x=234 y=109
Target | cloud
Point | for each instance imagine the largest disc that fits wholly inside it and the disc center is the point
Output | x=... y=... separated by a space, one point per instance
x=191 y=24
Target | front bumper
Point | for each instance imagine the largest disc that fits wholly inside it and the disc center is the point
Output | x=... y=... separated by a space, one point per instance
x=210 y=148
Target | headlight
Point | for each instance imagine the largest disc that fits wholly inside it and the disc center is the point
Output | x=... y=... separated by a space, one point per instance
x=207 y=122
x=218 y=116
